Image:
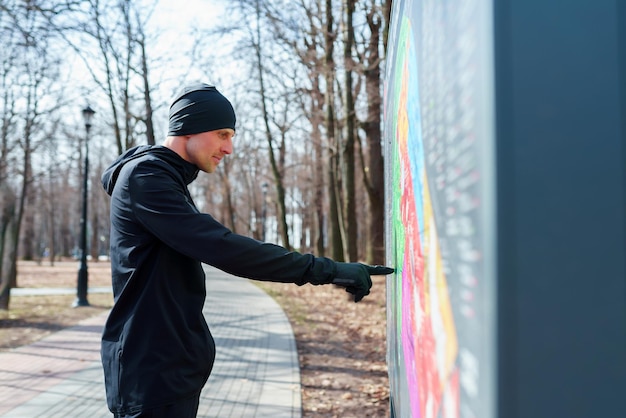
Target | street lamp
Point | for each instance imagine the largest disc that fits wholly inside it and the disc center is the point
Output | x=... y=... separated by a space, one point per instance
x=81 y=286
x=264 y=187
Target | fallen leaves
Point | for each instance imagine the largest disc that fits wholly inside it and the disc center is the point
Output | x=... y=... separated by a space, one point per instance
x=341 y=347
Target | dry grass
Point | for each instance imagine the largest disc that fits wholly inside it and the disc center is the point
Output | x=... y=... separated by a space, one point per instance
x=61 y=274
x=31 y=318
x=341 y=348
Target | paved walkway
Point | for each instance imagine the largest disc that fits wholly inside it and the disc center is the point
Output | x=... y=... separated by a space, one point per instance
x=256 y=372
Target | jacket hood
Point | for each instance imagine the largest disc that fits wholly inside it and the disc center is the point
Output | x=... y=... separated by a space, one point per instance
x=109 y=177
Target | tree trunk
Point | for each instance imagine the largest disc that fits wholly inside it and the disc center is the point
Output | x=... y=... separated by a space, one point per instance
x=318 y=155
x=374 y=175
x=146 y=93
x=103 y=43
x=278 y=175
x=387 y=4
x=95 y=221
x=124 y=74
x=229 y=210
x=29 y=236
x=349 y=193
x=51 y=217
x=336 y=241
x=14 y=239
x=31 y=105
x=7 y=220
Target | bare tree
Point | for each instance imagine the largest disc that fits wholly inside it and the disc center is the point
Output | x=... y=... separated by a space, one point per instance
x=307 y=31
x=387 y=4
x=111 y=42
x=372 y=166
x=274 y=119
x=336 y=237
x=305 y=40
x=149 y=113
x=274 y=148
x=8 y=202
x=30 y=69
x=9 y=54
x=348 y=160
x=114 y=64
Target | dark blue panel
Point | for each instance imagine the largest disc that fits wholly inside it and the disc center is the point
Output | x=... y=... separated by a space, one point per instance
x=561 y=201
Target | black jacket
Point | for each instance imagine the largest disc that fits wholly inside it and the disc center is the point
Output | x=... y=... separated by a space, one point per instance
x=156 y=345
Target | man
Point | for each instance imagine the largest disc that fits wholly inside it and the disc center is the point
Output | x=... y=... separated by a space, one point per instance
x=157 y=350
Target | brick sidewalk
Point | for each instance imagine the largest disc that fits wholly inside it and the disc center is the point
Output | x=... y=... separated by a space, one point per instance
x=256 y=372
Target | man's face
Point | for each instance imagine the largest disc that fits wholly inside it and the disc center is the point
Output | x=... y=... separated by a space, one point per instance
x=207 y=149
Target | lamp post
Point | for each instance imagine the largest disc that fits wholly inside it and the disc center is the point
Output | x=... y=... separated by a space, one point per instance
x=81 y=286
x=264 y=187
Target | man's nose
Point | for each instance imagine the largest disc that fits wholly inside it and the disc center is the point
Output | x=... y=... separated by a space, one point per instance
x=227 y=147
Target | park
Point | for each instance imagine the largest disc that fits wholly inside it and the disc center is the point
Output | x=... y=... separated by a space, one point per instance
x=477 y=147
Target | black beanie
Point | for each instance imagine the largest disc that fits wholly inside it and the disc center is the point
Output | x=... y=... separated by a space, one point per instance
x=200 y=108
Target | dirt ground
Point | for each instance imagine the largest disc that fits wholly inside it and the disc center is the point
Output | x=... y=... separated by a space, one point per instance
x=341 y=347
x=341 y=344
x=30 y=318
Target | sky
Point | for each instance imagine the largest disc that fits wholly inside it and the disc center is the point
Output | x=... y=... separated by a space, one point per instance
x=176 y=24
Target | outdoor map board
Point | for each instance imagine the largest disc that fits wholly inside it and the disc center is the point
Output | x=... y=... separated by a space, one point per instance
x=439 y=145
x=505 y=156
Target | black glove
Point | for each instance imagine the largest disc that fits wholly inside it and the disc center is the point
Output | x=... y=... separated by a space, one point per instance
x=355 y=277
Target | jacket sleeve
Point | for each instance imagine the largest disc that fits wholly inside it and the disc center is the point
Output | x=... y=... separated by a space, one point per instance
x=160 y=202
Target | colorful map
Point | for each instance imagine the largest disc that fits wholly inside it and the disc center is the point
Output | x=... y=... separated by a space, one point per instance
x=439 y=144
x=426 y=324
